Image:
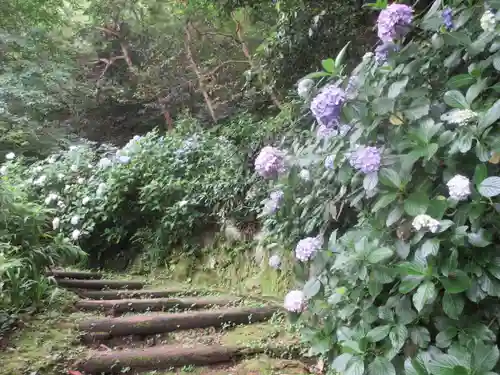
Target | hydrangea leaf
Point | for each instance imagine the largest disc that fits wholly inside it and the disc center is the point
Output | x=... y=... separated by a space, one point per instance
x=426 y=293
x=381 y=366
x=456 y=282
x=490 y=187
x=455 y=99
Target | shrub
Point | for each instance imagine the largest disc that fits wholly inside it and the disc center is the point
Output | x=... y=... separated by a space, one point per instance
x=398 y=222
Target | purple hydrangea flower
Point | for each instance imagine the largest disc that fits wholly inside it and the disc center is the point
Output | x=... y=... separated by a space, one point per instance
x=295 y=301
x=307 y=248
x=330 y=162
x=274 y=202
x=327 y=105
x=382 y=52
x=275 y=262
x=270 y=162
x=366 y=159
x=325 y=132
x=447 y=15
x=394 y=22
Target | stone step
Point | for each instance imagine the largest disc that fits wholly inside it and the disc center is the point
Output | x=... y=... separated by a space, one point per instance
x=124 y=294
x=120 y=306
x=150 y=324
x=161 y=357
x=100 y=284
x=80 y=275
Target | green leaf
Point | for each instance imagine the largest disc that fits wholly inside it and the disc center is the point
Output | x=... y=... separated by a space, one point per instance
x=370 y=181
x=480 y=173
x=381 y=366
x=402 y=249
x=340 y=362
x=415 y=366
x=446 y=137
x=461 y=80
x=397 y=336
x=420 y=336
x=378 y=333
x=453 y=305
x=418 y=108
x=456 y=282
x=444 y=338
x=355 y=367
x=394 y=216
x=351 y=346
x=443 y=364
x=328 y=65
x=426 y=293
x=455 y=99
x=496 y=62
x=317 y=75
x=396 y=88
x=476 y=89
x=416 y=204
x=484 y=357
x=490 y=187
x=384 y=201
x=389 y=177
x=340 y=56
x=312 y=288
x=382 y=106
x=409 y=283
x=436 y=5
x=430 y=247
x=379 y=255
x=491 y=116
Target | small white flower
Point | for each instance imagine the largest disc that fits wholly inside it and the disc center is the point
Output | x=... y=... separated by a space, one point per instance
x=40 y=181
x=305 y=175
x=38 y=168
x=459 y=187
x=60 y=176
x=61 y=204
x=3 y=170
x=85 y=200
x=75 y=219
x=52 y=159
x=101 y=189
x=66 y=188
x=295 y=301
x=50 y=198
x=72 y=148
x=275 y=261
x=55 y=223
x=425 y=222
x=304 y=87
x=459 y=116
x=90 y=166
x=75 y=235
x=10 y=156
x=74 y=168
x=488 y=22
x=80 y=180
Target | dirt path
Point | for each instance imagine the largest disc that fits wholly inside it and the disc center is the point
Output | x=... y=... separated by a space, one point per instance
x=121 y=326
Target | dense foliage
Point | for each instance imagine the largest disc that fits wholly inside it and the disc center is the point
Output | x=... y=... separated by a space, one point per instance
x=392 y=206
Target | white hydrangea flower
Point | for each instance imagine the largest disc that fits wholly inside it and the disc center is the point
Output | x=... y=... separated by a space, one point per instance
x=459 y=116
x=295 y=301
x=66 y=188
x=55 y=223
x=50 y=198
x=60 y=176
x=459 y=187
x=38 y=168
x=275 y=261
x=75 y=220
x=105 y=162
x=72 y=148
x=101 y=189
x=425 y=222
x=52 y=159
x=3 y=170
x=74 y=168
x=304 y=87
x=10 y=156
x=61 y=204
x=80 y=180
x=488 y=21
x=75 y=235
x=305 y=175
x=85 y=200
x=40 y=181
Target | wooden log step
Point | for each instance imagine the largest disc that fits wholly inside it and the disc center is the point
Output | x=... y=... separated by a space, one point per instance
x=100 y=284
x=161 y=357
x=80 y=275
x=161 y=323
x=123 y=294
x=154 y=304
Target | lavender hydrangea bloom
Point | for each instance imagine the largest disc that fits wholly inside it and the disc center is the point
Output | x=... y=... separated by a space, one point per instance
x=447 y=15
x=307 y=248
x=327 y=105
x=366 y=159
x=295 y=301
x=325 y=132
x=382 y=52
x=330 y=162
x=275 y=262
x=394 y=22
x=270 y=162
x=274 y=202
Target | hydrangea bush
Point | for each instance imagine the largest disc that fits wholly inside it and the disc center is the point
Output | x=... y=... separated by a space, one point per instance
x=395 y=232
